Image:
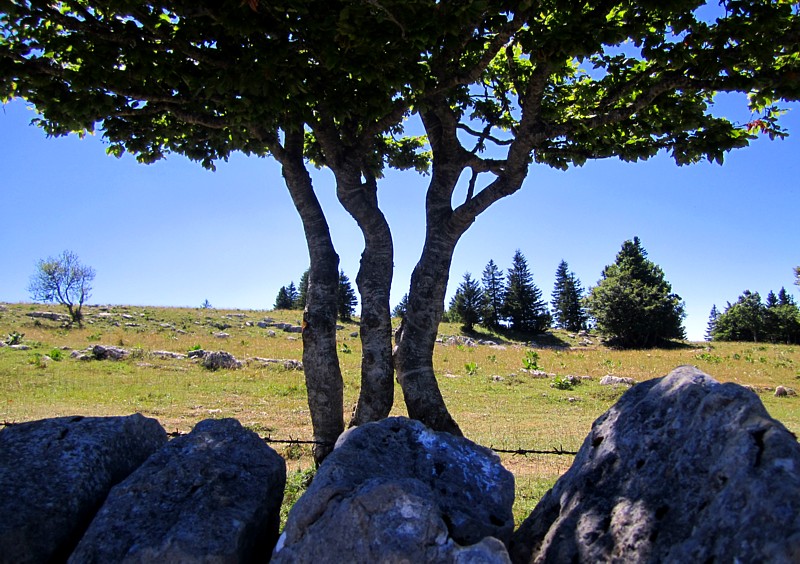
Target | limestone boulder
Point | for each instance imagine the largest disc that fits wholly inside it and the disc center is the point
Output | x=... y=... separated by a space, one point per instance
x=55 y=474
x=220 y=360
x=213 y=495
x=396 y=491
x=681 y=469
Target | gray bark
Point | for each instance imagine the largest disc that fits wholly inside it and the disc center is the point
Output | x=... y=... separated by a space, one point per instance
x=320 y=360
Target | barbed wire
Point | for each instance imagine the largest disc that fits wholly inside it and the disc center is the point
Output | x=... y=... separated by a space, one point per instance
x=557 y=451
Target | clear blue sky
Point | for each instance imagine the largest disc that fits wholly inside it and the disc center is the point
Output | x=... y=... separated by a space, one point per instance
x=174 y=234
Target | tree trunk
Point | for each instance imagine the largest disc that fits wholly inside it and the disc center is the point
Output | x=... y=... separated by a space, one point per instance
x=374 y=283
x=320 y=361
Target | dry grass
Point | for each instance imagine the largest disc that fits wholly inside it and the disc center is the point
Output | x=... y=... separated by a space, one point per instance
x=495 y=402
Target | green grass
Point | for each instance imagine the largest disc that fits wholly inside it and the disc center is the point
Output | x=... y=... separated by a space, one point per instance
x=495 y=402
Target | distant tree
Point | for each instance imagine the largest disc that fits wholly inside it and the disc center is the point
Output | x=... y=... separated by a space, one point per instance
x=782 y=324
x=493 y=295
x=633 y=303
x=346 y=298
x=743 y=320
x=294 y=295
x=302 y=289
x=400 y=309
x=712 y=322
x=283 y=300
x=523 y=305
x=797 y=275
x=467 y=303
x=206 y=304
x=567 y=298
x=784 y=298
x=772 y=299
x=63 y=280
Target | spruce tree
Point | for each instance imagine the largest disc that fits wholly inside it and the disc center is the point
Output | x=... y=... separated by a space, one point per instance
x=743 y=320
x=568 y=312
x=633 y=303
x=523 y=305
x=712 y=322
x=302 y=289
x=400 y=309
x=784 y=298
x=493 y=295
x=293 y=294
x=467 y=302
x=346 y=298
x=283 y=301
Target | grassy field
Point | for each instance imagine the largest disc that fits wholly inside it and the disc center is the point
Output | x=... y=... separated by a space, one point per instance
x=494 y=400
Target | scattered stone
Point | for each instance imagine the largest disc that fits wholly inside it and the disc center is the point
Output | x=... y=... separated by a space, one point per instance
x=222 y=335
x=460 y=340
x=104 y=315
x=220 y=360
x=52 y=316
x=271 y=333
x=213 y=495
x=497 y=378
x=681 y=469
x=610 y=380
x=262 y=324
x=396 y=491
x=131 y=325
x=81 y=355
x=127 y=316
x=3 y=344
x=55 y=473
x=354 y=334
x=168 y=354
x=196 y=353
x=19 y=347
x=292 y=364
x=540 y=374
x=166 y=325
x=783 y=391
x=293 y=329
x=103 y=352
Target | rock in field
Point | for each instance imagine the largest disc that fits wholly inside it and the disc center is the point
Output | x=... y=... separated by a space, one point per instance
x=681 y=469
x=395 y=491
x=55 y=473
x=213 y=495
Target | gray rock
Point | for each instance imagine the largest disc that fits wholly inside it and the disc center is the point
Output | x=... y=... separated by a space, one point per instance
x=463 y=484
x=385 y=520
x=681 y=469
x=196 y=353
x=220 y=360
x=222 y=335
x=102 y=352
x=168 y=354
x=55 y=473
x=52 y=316
x=213 y=495
x=354 y=334
x=19 y=347
x=784 y=391
x=263 y=324
x=610 y=380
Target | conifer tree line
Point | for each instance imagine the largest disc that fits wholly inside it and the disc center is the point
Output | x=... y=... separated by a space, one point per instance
x=294 y=297
x=775 y=320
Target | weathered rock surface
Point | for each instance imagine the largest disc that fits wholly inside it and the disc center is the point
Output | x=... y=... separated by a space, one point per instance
x=220 y=360
x=611 y=380
x=681 y=469
x=104 y=352
x=55 y=473
x=396 y=491
x=213 y=495
x=52 y=316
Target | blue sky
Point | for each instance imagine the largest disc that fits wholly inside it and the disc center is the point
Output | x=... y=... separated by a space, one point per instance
x=174 y=234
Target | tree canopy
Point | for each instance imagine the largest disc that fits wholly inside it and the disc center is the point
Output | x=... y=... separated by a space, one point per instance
x=63 y=280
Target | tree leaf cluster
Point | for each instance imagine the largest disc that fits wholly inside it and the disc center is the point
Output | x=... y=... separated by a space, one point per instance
x=776 y=320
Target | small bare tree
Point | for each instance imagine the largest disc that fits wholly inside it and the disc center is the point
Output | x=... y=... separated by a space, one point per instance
x=64 y=280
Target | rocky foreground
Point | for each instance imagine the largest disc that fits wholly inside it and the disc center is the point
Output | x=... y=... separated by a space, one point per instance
x=681 y=469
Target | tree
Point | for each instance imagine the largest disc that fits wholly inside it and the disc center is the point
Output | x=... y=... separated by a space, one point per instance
x=712 y=322
x=784 y=298
x=523 y=305
x=493 y=295
x=283 y=300
x=568 y=311
x=633 y=303
x=346 y=298
x=302 y=289
x=742 y=321
x=400 y=309
x=497 y=86
x=64 y=280
x=293 y=294
x=797 y=275
x=468 y=302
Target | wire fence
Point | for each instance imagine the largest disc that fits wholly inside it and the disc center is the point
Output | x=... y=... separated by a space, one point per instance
x=556 y=451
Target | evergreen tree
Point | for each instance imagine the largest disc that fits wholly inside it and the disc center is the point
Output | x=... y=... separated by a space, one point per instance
x=467 y=303
x=772 y=299
x=523 y=305
x=283 y=301
x=712 y=322
x=400 y=309
x=568 y=312
x=293 y=294
x=633 y=303
x=742 y=321
x=493 y=295
x=302 y=289
x=346 y=298
x=797 y=275
x=784 y=298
